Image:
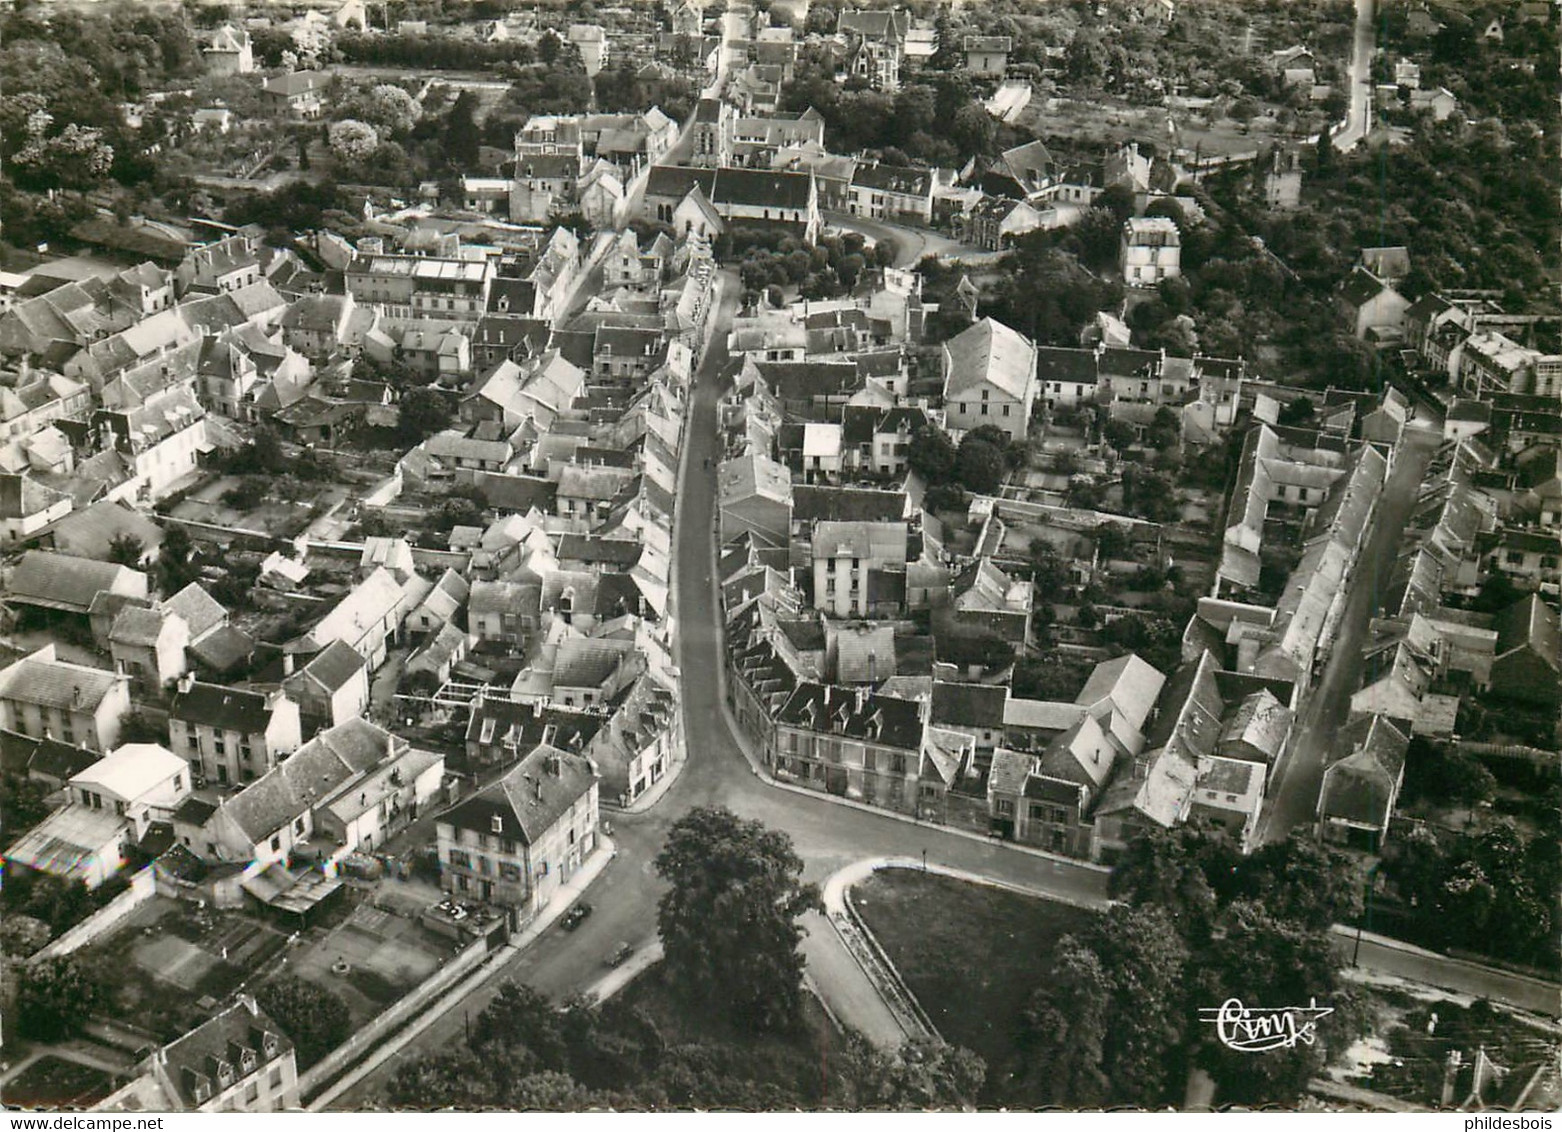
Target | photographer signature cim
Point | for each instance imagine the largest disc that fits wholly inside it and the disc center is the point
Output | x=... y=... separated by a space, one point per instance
x=1257 y=1029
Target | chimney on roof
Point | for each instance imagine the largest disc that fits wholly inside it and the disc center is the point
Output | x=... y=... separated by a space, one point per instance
x=287 y=664
x=186 y=682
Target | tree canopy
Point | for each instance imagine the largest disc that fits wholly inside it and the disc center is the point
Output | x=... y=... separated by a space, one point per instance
x=729 y=922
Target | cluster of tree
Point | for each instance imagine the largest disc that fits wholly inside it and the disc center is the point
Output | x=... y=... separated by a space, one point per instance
x=295 y=207
x=1203 y=51
x=54 y=999
x=1055 y=676
x=432 y=52
x=1488 y=890
x=1115 y=1019
x=314 y=1017
x=556 y=83
x=981 y=463
x=824 y=270
x=1513 y=80
x=1043 y=291
x=1475 y=204
x=1157 y=640
x=125 y=49
x=59 y=902
x=1442 y=774
x=1148 y=494
x=624 y=87
x=935 y=120
x=733 y=970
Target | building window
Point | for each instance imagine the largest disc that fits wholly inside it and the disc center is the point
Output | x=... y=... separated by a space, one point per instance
x=1005 y=807
x=274 y=1079
x=460 y=859
x=276 y=843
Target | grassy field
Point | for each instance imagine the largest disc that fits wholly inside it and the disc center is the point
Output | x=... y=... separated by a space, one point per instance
x=53 y=1082
x=972 y=955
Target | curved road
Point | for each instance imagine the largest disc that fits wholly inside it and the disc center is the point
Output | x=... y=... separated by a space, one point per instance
x=827 y=835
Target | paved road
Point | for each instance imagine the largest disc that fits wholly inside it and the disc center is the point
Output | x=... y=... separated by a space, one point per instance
x=1391 y=957
x=1358 y=119
x=1293 y=800
x=911 y=244
x=827 y=835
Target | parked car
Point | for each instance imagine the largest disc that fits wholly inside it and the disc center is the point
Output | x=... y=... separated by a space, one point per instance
x=625 y=950
x=576 y=915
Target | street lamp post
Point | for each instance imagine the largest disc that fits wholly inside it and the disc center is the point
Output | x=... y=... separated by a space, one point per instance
x=924 y=860
x=1372 y=876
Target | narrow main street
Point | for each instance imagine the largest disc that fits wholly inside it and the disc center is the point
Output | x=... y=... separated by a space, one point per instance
x=827 y=836
x=1293 y=797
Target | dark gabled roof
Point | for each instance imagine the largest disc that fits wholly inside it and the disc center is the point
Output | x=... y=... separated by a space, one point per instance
x=227 y=709
x=223 y=649
x=547 y=166
x=761 y=188
x=223 y=1038
x=675 y=181
x=607 y=551
x=62 y=581
x=803 y=381
x=894 y=179
x=1530 y=624
x=1064 y=363
x=846 y=504
x=517 y=493
x=334 y=666
x=60 y=760
x=1361 y=287
x=1362 y=786
x=530 y=799
x=969 y=705
x=844 y=711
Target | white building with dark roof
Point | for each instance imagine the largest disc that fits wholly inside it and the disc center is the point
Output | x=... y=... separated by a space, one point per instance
x=516 y=842
x=237 y=1061
x=989 y=379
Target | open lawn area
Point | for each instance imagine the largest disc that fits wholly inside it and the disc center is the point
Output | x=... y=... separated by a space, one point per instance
x=972 y=955
x=53 y=1082
x=173 y=961
x=271 y=515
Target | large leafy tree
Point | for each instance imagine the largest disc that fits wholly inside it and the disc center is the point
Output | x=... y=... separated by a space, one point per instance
x=1299 y=879
x=980 y=465
x=1110 y=1018
x=126 y=550
x=54 y=998
x=315 y=1017
x=422 y=412
x=1066 y=1028
x=1269 y=960
x=176 y=565
x=729 y=923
